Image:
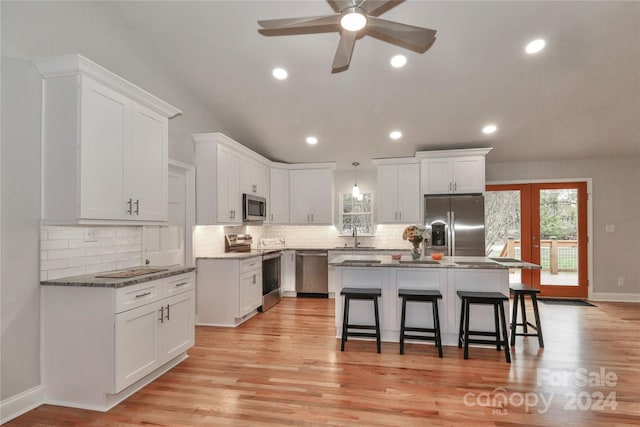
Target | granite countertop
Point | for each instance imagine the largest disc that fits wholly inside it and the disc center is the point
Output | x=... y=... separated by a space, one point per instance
x=259 y=252
x=91 y=280
x=426 y=262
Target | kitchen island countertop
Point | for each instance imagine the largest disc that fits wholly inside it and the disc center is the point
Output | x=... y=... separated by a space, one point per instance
x=426 y=262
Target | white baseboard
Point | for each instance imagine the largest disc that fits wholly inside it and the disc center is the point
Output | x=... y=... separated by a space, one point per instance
x=21 y=403
x=615 y=297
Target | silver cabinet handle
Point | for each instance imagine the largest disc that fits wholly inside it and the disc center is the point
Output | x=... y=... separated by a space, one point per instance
x=177 y=285
x=307 y=217
x=311 y=217
x=167 y=312
x=143 y=295
x=254 y=279
x=137 y=206
x=455 y=186
x=161 y=319
x=400 y=215
x=130 y=210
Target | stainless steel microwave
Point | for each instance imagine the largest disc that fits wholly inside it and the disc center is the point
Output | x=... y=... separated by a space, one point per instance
x=254 y=208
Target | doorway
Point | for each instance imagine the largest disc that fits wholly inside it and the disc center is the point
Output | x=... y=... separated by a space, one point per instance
x=171 y=244
x=542 y=223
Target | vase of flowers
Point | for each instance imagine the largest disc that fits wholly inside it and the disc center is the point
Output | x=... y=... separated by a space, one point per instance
x=415 y=234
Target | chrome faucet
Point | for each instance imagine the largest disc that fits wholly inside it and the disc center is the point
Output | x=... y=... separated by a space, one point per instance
x=355 y=237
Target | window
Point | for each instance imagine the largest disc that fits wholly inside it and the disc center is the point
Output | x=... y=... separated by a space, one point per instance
x=356 y=213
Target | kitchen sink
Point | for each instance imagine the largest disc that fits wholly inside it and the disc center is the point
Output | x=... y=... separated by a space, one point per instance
x=420 y=261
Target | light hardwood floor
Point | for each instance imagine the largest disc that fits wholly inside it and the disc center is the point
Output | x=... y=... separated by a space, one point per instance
x=284 y=367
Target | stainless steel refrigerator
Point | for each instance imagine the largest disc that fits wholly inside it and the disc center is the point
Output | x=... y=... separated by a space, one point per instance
x=456 y=224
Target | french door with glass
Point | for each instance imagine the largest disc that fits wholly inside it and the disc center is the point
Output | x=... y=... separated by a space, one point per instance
x=546 y=224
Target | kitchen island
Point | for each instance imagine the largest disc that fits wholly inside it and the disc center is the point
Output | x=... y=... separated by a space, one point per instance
x=449 y=275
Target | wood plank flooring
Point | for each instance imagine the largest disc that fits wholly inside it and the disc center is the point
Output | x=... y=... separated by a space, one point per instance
x=284 y=367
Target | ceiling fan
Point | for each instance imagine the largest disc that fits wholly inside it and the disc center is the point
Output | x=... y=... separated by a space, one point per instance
x=354 y=19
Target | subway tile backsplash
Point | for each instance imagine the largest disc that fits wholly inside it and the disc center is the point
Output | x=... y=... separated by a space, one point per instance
x=73 y=250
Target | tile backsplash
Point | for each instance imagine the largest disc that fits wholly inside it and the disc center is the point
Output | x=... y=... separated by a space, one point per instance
x=74 y=250
x=209 y=240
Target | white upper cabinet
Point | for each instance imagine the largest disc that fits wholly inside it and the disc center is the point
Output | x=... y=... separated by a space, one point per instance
x=104 y=146
x=225 y=170
x=278 y=202
x=453 y=171
x=311 y=199
x=398 y=193
x=254 y=177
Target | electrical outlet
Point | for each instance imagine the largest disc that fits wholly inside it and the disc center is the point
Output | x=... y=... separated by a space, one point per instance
x=620 y=282
x=90 y=235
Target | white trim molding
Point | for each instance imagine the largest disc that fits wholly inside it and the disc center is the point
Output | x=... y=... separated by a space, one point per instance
x=21 y=403
x=615 y=297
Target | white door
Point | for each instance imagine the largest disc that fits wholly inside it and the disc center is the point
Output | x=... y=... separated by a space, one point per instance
x=165 y=245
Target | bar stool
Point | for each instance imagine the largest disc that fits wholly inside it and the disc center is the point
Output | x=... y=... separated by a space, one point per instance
x=520 y=290
x=420 y=295
x=485 y=298
x=371 y=294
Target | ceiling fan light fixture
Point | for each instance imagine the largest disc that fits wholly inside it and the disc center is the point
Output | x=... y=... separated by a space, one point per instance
x=353 y=19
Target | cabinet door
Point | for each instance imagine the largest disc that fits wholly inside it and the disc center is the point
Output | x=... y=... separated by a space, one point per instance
x=229 y=203
x=409 y=193
x=148 y=166
x=178 y=326
x=299 y=197
x=105 y=119
x=279 y=196
x=387 y=194
x=261 y=179
x=320 y=183
x=249 y=283
x=137 y=347
x=437 y=176
x=469 y=174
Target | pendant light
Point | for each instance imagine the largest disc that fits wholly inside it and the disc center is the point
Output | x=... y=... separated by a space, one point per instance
x=355 y=193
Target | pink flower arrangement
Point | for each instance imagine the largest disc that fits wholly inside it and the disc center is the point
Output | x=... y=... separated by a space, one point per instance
x=415 y=234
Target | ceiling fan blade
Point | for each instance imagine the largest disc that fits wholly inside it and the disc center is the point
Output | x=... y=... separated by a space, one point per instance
x=295 y=23
x=409 y=37
x=343 y=54
x=378 y=7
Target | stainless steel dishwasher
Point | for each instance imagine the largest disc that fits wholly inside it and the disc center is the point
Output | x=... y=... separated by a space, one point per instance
x=312 y=274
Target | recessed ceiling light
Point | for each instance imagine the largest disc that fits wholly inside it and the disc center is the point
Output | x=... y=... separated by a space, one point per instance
x=399 y=61
x=489 y=129
x=395 y=134
x=312 y=140
x=535 y=46
x=280 y=73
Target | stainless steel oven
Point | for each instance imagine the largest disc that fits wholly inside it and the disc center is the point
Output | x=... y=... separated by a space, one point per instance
x=271 y=276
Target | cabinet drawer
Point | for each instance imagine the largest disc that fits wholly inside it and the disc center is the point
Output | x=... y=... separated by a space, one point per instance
x=178 y=284
x=138 y=295
x=250 y=264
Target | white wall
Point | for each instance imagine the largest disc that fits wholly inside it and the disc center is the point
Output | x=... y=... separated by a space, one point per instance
x=616 y=201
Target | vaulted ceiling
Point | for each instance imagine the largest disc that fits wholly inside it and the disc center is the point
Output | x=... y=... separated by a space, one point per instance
x=578 y=98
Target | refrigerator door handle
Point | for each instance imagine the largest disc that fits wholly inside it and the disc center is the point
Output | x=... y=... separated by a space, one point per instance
x=452 y=232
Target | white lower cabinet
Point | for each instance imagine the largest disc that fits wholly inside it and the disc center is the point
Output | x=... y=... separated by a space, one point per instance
x=229 y=290
x=103 y=344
